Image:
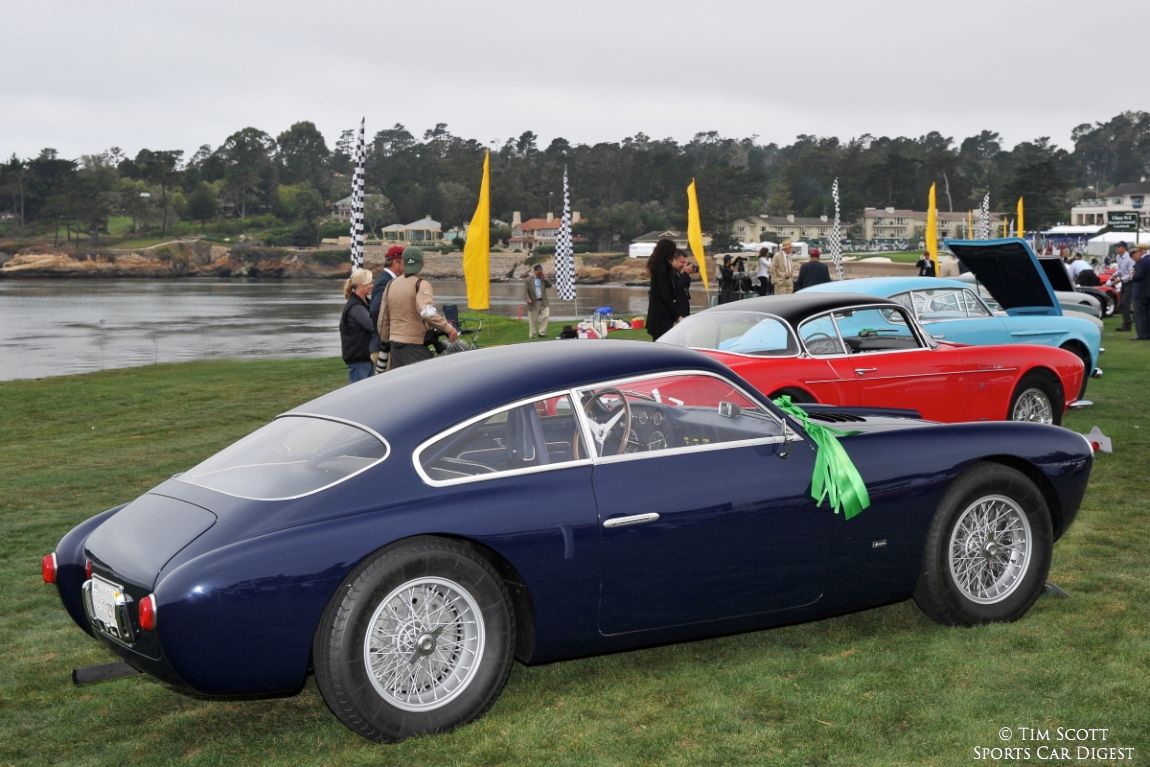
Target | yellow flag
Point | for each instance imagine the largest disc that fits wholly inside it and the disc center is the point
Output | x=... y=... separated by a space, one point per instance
x=695 y=233
x=932 y=229
x=970 y=225
x=1005 y=222
x=477 y=251
x=1021 y=229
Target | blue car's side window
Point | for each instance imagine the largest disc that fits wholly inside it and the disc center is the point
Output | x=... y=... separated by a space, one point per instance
x=528 y=435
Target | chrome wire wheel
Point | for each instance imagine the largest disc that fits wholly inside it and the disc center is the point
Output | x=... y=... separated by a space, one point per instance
x=989 y=550
x=1033 y=405
x=423 y=643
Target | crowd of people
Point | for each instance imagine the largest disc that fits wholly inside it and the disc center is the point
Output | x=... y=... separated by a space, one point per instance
x=391 y=320
x=399 y=325
x=1131 y=278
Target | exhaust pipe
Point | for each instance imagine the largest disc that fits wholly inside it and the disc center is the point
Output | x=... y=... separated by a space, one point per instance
x=102 y=673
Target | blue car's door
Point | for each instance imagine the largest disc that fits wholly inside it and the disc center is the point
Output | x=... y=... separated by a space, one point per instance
x=702 y=517
x=976 y=331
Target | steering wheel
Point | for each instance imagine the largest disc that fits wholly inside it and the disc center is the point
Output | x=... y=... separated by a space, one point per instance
x=821 y=343
x=597 y=408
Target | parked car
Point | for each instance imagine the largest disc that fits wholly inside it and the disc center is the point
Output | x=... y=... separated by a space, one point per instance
x=855 y=349
x=1102 y=296
x=1073 y=304
x=407 y=536
x=953 y=311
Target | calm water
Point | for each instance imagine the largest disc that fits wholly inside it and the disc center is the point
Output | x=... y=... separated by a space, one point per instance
x=64 y=326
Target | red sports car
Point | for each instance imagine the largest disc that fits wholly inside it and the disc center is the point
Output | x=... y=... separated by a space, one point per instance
x=846 y=349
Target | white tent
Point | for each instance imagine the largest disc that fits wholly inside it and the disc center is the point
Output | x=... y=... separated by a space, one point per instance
x=757 y=246
x=1101 y=245
x=1064 y=230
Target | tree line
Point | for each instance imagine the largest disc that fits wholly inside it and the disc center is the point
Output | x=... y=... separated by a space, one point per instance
x=623 y=188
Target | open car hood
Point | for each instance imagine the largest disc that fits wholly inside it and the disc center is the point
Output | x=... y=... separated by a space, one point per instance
x=1010 y=272
x=1055 y=271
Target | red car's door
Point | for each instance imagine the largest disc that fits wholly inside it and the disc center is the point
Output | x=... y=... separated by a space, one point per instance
x=894 y=367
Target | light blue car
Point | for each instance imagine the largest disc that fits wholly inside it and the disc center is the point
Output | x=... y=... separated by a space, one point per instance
x=951 y=310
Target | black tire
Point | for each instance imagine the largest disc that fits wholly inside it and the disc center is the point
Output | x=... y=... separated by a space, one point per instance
x=798 y=396
x=988 y=550
x=465 y=659
x=1037 y=398
x=1087 y=368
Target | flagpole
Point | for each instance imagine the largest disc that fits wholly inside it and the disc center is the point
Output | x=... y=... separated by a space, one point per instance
x=836 y=247
x=357 y=202
x=565 y=252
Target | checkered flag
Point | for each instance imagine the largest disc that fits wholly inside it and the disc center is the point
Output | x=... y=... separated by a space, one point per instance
x=357 y=203
x=836 y=239
x=982 y=227
x=564 y=250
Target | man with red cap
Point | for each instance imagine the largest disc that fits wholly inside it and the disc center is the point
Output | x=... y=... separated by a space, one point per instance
x=813 y=272
x=392 y=268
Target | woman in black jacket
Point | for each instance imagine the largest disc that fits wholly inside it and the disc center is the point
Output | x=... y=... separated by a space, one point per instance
x=663 y=266
x=355 y=326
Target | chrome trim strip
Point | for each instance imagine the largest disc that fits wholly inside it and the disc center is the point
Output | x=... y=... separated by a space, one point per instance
x=634 y=519
x=788 y=434
x=422 y=446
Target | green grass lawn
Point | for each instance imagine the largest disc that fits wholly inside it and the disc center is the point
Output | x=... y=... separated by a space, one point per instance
x=883 y=687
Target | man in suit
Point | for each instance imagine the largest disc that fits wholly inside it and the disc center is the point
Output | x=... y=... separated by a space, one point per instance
x=782 y=274
x=1140 y=284
x=813 y=272
x=538 y=310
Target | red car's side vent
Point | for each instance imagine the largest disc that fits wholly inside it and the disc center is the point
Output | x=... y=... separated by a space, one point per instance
x=833 y=417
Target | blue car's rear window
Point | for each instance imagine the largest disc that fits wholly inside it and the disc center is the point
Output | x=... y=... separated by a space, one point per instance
x=290 y=457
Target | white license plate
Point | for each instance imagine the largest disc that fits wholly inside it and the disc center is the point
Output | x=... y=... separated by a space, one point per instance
x=105 y=596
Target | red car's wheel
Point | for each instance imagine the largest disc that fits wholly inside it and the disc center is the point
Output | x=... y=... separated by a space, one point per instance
x=1036 y=399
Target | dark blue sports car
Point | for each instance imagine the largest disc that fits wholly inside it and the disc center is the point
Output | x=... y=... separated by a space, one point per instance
x=406 y=537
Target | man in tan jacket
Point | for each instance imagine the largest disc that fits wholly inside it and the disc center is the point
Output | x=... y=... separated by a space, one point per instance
x=408 y=311
x=782 y=269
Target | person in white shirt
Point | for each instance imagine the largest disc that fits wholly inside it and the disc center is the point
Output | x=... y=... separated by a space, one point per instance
x=1121 y=281
x=764 y=272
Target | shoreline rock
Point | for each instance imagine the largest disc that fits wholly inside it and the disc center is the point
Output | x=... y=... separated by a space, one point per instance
x=198 y=258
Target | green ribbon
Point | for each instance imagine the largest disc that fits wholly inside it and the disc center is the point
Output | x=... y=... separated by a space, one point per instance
x=835 y=476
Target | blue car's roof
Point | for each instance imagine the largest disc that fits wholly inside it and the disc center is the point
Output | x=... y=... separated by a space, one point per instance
x=796 y=307
x=427 y=397
x=884 y=287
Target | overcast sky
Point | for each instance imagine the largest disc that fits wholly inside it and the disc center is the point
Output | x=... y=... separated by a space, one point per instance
x=83 y=76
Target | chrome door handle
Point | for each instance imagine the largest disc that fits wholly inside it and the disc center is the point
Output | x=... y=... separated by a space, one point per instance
x=634 y=519
x=861 y=371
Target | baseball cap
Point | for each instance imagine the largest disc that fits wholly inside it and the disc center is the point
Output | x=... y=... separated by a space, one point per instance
x=394 y=252
x=412 y=260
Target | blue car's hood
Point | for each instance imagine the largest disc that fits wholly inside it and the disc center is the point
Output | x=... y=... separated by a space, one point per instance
x=1010 y=272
